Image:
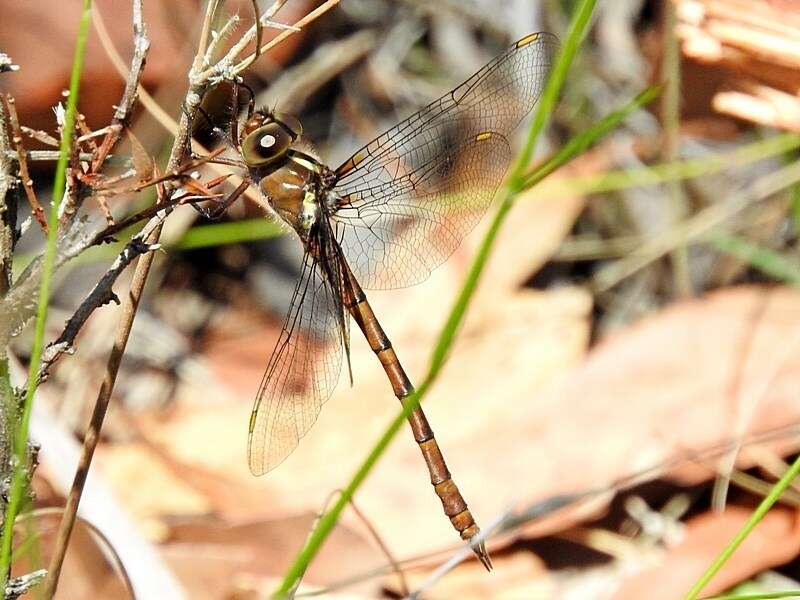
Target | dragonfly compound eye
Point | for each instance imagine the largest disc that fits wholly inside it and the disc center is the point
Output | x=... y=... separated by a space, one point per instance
x=266 y=144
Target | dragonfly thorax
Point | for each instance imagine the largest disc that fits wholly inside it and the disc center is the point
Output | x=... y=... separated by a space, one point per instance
x=293 y=191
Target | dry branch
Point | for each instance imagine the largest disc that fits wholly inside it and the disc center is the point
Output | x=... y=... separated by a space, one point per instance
x=8 y=210
x=24 y=175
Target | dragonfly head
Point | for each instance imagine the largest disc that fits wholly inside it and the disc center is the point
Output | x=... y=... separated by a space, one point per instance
x=267 y=136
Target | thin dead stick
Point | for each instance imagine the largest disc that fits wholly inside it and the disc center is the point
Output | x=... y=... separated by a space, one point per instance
x=150 y=104
x=40 y=136
x=8 y=222
x=298 y=26
x=141 y=44
x=255 y=30
x=383 y=546
x=92 y=436
x=102 y=293
x=24 y=175
x=44 y=155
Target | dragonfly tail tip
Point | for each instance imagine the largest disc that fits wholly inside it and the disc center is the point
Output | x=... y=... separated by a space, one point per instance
x=480 y=551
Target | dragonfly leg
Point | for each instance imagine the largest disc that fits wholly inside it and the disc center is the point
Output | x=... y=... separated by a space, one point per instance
x=223 y=205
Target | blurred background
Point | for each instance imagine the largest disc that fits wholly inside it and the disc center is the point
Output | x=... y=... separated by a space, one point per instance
x=626 y=387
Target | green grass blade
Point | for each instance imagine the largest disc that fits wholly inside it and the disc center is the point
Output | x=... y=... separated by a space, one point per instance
x=762 y=509
x=17 y=489
x=763 y=596
x=219 y=234
x=580 y=143
x=683 y=169
x=764 y=259
x=516 y=182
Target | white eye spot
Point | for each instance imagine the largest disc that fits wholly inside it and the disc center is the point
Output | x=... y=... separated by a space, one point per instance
x=268 y=141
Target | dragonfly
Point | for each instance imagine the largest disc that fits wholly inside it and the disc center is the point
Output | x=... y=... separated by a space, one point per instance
x=384 y=219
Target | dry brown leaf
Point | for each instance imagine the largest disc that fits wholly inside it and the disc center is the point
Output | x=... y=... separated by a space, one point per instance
x=512 y=424
x=145 y=484
x=218 y=560
x=774 y=541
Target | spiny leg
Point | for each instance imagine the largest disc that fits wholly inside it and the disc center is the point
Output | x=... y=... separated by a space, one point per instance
x=223 y=204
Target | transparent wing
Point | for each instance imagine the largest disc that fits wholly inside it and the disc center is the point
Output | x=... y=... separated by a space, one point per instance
x=412 y=194
x=301 y=374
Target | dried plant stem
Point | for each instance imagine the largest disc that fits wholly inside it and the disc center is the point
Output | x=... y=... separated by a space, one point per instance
x=144 y=97
x=8 y=210
x=21 y=427
x=24 y=175
x=8 y=217
x=670 y=118
x=130 y=306
x=236 y=69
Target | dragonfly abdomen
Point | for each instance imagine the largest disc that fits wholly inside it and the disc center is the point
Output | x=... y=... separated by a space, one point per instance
x=453 y=503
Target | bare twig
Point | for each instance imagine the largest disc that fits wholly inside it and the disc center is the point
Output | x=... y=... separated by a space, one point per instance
x=224 y=69
x=239 y=46
x=18 y=586
x=144 y=97
x=8 y=210
x=100 y=295
x=98 y=415
x=121 y=115
x=6 y=64
x=42 y=155
x=40 y=136
x=8 y=219
x=401 y=578
x=24 y=175
x=87 y=135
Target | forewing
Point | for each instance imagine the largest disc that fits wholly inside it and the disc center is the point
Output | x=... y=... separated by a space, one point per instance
x=302 y=371
x=412 y=194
